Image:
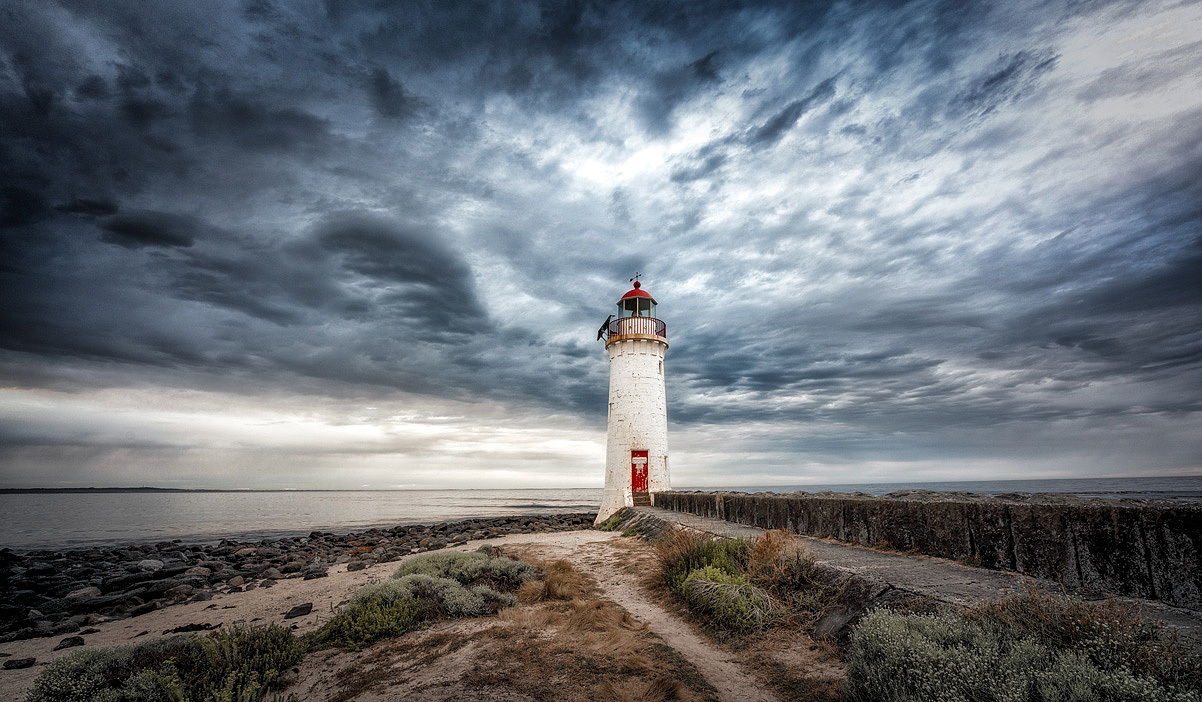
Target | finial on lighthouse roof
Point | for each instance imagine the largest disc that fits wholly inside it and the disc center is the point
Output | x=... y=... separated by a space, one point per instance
x=637 y=285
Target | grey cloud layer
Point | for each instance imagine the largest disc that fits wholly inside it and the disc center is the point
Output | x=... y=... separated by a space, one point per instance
x=870 y=226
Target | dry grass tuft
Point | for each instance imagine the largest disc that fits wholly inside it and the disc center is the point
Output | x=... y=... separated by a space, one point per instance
x=560 y=581
x=676 y=544
x=779 y=560
x=661 y=689
x=530 y=618
x=600 y=615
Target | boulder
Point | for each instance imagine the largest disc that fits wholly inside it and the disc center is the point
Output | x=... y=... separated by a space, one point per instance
x=84 y=592
x=69 y=642
x=179 y=593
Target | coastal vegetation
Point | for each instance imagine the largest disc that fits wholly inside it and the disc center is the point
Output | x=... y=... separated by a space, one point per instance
x=742 y=585
x=452 y=584
x=1029 y=647
x=236 y=665
x=245 y=664
x=611 y=523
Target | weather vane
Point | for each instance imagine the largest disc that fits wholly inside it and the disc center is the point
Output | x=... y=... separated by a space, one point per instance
x=636 y=277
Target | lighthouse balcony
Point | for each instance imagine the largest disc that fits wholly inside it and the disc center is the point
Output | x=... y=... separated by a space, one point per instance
x=637 y=328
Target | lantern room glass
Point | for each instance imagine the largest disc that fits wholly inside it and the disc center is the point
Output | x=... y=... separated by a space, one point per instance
x=636 y=307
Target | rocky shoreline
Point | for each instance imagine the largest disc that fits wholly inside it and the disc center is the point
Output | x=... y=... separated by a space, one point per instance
x=57 y=593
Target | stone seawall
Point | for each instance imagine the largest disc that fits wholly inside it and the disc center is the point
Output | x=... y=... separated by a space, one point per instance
x=1138 y=548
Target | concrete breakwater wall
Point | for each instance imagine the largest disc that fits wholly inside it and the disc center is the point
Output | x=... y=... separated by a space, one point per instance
x=1125 y=547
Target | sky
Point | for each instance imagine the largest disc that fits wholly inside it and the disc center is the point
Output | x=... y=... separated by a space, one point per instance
x=269 y=244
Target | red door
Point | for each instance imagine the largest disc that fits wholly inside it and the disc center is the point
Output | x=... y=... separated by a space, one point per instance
x=638 y=471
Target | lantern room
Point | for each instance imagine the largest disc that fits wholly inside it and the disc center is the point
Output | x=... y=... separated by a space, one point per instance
x=636 y=316
x=636 y=303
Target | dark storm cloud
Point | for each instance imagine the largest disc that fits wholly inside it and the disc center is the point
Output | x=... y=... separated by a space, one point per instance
x=389 y=96
x=866 y=224
x=436 y=286
x=784 y=120
x=246 y=122
x=134 y=230
x=669 y=88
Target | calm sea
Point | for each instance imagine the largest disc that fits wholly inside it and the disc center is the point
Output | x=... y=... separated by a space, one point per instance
x=74 y=520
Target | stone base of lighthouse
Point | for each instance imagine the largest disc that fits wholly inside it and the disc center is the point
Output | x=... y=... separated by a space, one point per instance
x=636 y=449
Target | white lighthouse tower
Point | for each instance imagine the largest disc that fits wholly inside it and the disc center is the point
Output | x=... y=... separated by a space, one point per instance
x=636 y=449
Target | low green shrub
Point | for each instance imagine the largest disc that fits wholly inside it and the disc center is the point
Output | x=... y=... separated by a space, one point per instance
x=470 y=568
x=235 y=665
x=729 y=600
x=610 y=524
x=97 y=675
x=632 y=531
x=435 y=596
x=682 y=552
x=359 y=625
x=947 y=657
x=451 y=584
x=1110 y=633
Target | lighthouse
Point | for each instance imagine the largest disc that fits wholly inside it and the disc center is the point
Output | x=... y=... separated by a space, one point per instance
x=636 y=446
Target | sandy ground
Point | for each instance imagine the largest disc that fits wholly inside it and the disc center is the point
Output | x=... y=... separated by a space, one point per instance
x=615 y=563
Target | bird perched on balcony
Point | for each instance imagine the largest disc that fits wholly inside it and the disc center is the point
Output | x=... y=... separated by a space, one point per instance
x=601 y=331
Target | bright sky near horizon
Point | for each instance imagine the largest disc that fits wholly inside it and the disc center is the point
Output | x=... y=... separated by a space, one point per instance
x=368 y=244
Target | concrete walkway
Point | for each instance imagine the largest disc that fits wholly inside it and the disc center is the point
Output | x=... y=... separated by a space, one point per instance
x=937 y=578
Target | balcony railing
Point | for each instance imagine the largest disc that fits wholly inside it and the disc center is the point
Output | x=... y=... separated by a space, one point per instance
x=637 y=325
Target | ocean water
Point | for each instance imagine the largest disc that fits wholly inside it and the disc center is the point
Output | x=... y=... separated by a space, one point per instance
x=77 y=520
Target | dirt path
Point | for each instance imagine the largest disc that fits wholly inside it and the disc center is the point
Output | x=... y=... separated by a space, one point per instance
x=603 y=562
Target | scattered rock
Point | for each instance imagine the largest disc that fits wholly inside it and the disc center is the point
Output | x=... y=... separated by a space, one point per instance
x=188 y=628
x=55 y=594
x=299 y=611
x=84 y=592
x=146 y=608
x=19 y=663
x=69 y=642
x=179 y=593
